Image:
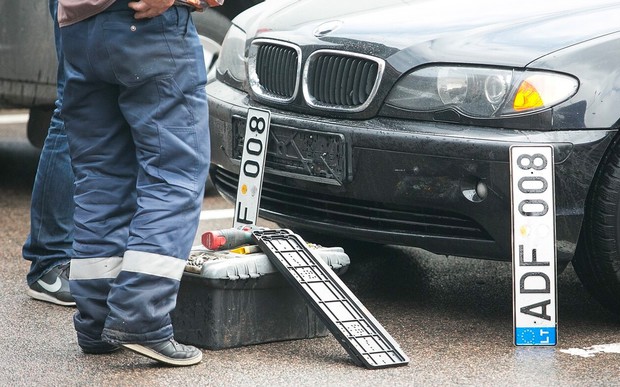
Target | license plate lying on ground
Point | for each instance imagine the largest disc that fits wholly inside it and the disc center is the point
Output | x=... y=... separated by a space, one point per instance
x=534 y=245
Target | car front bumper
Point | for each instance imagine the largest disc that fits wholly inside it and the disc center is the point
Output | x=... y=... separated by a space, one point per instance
x=441 y=187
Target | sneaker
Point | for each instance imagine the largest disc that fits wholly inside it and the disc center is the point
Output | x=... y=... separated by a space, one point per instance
x=53 y=287
x=168 y=352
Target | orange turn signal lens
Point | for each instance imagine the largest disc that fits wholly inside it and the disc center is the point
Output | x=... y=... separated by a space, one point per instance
x=540 y=90
x=527 y=98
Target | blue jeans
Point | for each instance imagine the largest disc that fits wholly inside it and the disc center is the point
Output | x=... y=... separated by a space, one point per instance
x=51 y=211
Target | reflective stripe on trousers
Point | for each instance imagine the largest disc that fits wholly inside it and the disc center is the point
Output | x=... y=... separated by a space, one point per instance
x=106 y=288
x=136 y=117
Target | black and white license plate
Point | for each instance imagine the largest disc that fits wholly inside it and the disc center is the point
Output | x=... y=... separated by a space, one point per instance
x=252 y=167
x=534 y=245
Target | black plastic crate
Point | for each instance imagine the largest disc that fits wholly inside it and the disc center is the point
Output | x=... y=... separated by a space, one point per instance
x=235 y=300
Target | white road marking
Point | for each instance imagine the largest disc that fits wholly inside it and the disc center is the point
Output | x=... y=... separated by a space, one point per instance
x=14 y=118
x=217 y=214
x=593 y=350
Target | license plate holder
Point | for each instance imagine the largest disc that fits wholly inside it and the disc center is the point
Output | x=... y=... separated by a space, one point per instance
x=301 y=153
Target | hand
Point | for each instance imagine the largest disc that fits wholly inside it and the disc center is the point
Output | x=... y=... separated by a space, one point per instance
x=150 y=8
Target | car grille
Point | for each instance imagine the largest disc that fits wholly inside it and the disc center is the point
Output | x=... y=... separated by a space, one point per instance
x=332 y=80
x=276 y=68
x=322 y=208
x=340 y=81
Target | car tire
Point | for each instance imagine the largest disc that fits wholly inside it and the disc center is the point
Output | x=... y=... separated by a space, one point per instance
x=212 y=28
x=38 y=124
x=597 y=260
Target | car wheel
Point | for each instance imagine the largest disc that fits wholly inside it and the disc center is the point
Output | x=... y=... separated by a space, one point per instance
x=38 y=124
x=597 y=260
x=212 y=28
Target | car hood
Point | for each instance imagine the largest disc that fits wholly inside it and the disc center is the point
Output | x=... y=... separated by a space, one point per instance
x=415 y=32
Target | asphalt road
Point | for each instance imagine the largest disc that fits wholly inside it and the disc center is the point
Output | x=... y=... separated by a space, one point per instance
x=452 y=316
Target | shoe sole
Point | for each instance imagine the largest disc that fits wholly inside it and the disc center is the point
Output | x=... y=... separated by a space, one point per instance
x=101 y=351
x=145 y=351
x=47 y=298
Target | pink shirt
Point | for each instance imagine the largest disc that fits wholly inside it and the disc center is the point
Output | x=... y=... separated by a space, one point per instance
x=73 y=11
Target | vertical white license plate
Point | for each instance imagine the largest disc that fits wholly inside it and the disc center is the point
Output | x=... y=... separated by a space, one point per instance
x=533 y=245
x=252 y=167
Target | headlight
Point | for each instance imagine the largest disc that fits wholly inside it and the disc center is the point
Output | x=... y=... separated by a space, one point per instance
x=480 y=92
x=231 y=64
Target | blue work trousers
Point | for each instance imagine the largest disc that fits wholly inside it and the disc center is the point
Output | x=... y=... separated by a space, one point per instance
x=51 y=210
x=135 y=110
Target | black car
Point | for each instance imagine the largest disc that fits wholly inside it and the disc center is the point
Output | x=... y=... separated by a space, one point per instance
x=392 y=121
x=28 y=58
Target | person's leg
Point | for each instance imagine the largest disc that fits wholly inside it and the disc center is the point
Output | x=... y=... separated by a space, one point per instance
x=103 y=159
x=104 y=162
x=48 y=246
